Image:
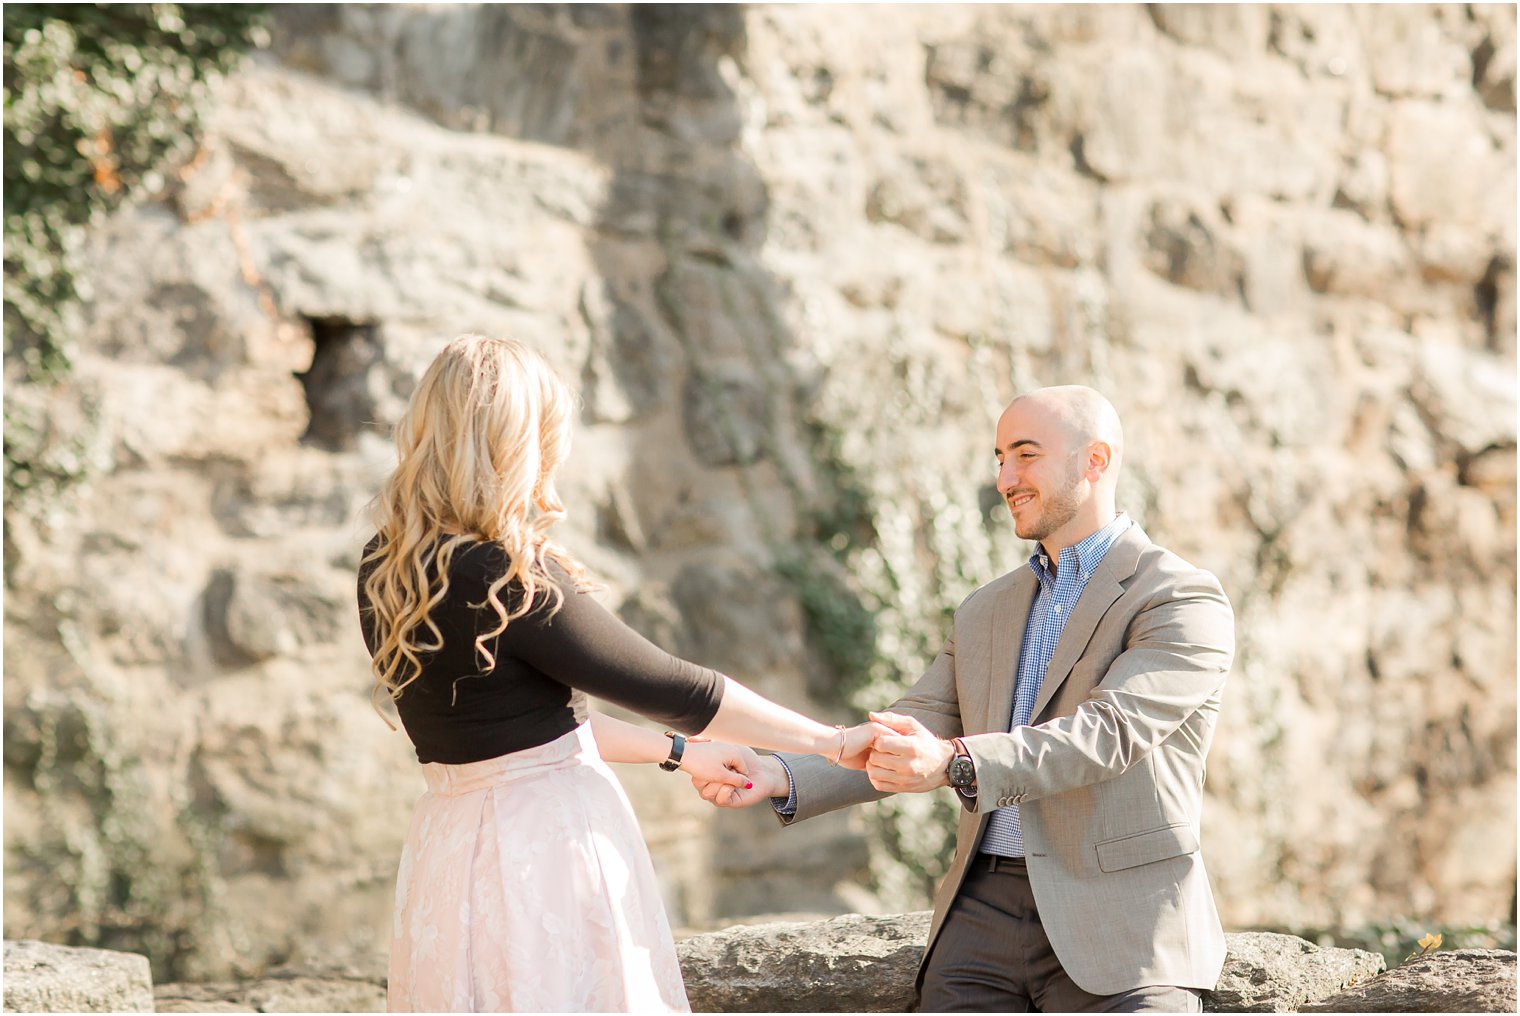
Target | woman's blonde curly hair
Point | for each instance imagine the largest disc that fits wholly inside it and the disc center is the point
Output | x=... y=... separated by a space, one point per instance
x=476 y=450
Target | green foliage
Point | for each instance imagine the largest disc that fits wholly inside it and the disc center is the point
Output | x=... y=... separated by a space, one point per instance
x=876 y=635
x=43 y=455
x=841 y=621
x=1401 y=939
x=99 y=98
x=100 y=101
x=96 y=868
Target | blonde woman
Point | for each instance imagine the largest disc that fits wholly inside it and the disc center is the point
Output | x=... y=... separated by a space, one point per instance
x=524 y=883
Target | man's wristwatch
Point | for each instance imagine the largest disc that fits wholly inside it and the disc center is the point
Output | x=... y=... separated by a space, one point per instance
x=677 y=749
x=962 y=771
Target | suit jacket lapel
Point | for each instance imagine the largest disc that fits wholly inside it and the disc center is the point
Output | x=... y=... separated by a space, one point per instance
x=1102 y=590
x=1009 y=619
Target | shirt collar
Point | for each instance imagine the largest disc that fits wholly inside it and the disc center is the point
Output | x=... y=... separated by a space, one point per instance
x=1083 y=556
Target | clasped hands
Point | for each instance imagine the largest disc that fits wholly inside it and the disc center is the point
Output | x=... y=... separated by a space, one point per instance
x=898 y=753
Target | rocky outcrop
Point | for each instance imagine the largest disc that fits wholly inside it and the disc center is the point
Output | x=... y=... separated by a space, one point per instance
x=869 y=964
x=847 y=964
x=279 y=991
x=1264 y=972
x=1463 y=980
x=42 y=977
x=857 y=963
x=795 y=281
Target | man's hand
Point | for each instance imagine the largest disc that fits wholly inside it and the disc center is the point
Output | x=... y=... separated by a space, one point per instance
x=910 y=760
x=767 y=779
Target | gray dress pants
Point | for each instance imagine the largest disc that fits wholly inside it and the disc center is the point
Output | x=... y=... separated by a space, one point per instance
x=992 y=956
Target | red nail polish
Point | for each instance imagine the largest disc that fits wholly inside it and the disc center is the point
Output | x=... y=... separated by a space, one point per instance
x=749 y=786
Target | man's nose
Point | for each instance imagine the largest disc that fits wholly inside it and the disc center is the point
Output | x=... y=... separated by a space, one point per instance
x=1007 y=477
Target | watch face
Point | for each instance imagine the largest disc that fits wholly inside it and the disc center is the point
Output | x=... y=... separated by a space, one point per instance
x=962 y=772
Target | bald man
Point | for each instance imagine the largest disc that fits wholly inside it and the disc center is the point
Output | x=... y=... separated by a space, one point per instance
x=1070 y=710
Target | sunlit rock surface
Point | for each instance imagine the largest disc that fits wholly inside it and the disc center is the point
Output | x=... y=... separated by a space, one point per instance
x=796 y=260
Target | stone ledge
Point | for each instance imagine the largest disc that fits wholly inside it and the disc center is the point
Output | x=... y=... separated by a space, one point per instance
x=1265 y=972
x=867 y=964
x=844 y=964
x=852 y=963
x=1463 y=980
x=280 y=991
x=42 y=977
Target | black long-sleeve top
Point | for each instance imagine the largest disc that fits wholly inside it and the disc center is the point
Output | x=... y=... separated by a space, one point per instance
x=456 y=712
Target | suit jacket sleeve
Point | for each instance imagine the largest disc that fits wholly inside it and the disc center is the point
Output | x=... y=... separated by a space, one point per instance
x=1177 y=652
x=932 y=701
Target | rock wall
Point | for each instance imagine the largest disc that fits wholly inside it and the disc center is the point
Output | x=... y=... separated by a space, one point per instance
x=796 y=259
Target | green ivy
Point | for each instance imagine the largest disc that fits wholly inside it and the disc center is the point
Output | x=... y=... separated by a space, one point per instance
x=100 y=100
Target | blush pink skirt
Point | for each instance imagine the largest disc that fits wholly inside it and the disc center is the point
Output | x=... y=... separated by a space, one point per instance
x=525 y=885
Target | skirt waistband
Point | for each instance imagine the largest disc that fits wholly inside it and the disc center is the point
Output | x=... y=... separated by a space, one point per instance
x=572 y=749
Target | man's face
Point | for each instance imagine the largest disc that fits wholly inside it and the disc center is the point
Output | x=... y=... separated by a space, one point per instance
x=1039 y=471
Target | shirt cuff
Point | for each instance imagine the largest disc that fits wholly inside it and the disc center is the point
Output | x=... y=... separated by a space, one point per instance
x=789 y=806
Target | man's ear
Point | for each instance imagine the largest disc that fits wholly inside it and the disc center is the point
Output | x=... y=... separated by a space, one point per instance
x=1100 y=455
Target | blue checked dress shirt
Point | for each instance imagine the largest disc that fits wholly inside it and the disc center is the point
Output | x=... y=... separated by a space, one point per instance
x=1053 y=602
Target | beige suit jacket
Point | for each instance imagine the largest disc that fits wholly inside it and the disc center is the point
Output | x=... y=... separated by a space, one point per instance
x=1109 y=778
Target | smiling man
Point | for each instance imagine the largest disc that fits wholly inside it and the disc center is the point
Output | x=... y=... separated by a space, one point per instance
x=1071 y=710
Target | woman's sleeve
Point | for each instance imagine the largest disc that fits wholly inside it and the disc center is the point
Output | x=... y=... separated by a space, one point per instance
x=366 y=609
x=585 y=646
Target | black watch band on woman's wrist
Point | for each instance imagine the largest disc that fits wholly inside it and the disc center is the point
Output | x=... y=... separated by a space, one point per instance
x=677 y=749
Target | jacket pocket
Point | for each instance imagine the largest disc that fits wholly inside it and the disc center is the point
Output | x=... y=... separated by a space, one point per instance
x=1143 y=848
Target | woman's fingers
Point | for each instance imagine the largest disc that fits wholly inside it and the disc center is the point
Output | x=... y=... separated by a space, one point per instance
x=719 y=794
x=741 y=759
x=733 y=778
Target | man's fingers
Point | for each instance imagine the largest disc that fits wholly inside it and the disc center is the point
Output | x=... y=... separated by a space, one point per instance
x=899 y=755
x=894 y=744
x=905 y=725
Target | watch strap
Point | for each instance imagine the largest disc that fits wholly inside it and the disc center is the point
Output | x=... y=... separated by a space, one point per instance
x=677 y=749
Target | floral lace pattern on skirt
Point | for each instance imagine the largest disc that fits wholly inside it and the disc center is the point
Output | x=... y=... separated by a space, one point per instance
x=525 y=885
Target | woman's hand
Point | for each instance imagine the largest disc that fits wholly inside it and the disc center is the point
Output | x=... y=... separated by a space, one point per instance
x=716 y=762
x=858 y=743
x=768 y=780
